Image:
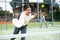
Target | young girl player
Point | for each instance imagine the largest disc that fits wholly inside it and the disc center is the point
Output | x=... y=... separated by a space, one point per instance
x=42 y=19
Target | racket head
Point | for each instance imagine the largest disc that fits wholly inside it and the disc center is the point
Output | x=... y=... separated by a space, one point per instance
x=16 y=22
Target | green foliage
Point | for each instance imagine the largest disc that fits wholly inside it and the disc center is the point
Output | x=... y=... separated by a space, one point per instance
x=7 y=13
x=4 y=12
x=56 y=14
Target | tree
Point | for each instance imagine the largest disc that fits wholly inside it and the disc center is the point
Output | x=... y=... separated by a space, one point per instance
x=4 y=14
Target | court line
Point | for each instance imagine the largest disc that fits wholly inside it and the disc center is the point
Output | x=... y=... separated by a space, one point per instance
x=56 y=25
x=29 y=34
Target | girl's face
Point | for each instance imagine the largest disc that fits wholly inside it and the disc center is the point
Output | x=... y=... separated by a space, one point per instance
x=28 y=10
x=43 y=13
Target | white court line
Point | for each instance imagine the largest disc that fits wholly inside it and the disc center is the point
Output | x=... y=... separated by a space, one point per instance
x=30 y=34
x=56 y=25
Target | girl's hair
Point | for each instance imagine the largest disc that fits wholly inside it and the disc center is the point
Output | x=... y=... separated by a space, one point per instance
x=27 y=6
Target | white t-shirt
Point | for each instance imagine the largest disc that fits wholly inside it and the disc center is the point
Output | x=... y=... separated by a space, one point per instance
x=24 y=19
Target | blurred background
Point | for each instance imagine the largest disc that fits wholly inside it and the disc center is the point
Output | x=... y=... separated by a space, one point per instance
x=12 y=8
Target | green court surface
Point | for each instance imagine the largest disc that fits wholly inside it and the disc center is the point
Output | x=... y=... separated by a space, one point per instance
x=36 y=30
x=33 y=27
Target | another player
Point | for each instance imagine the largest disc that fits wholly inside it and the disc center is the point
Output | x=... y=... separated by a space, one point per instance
x=42 y=19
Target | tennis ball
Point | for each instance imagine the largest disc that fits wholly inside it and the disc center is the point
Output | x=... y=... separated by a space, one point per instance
x=42 y=6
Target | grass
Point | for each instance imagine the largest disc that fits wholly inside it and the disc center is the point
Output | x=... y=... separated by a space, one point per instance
x=30 y=25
